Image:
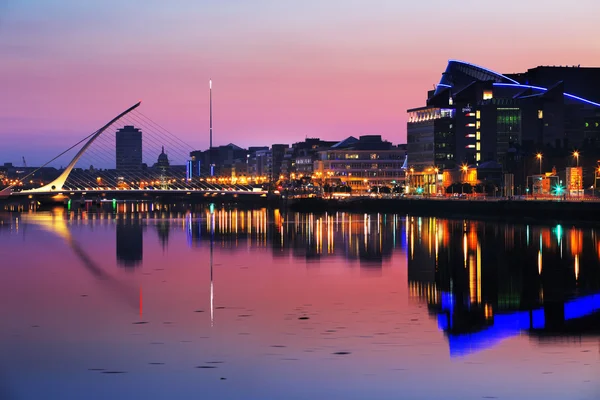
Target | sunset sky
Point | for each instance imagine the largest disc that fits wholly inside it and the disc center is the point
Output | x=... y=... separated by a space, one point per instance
x=282 y=70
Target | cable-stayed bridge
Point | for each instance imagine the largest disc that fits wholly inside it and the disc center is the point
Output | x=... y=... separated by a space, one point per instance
x=132 y=157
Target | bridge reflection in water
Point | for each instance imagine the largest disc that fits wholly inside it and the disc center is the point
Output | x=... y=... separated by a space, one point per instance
x=483 y=282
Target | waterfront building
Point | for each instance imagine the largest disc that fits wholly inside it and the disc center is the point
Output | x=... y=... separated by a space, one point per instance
x=361 y=164
x=128 y=149
x=476 y=115
x=277 y=153
x=216 y=161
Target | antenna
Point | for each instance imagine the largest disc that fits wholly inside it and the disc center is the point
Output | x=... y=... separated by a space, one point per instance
x=210 y=100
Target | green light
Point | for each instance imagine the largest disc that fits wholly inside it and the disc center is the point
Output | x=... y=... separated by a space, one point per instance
x=558 y=190
x=114 y=203
x=419 y=190
x=69 y=204
x=212 y=208
x=558 y=231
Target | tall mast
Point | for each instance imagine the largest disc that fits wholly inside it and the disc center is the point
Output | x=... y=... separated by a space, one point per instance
x=210 y=98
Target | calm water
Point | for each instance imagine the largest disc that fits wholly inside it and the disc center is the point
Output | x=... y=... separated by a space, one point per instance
x=259 y=305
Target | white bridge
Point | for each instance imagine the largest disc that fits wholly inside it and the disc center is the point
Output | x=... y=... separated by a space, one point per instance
x=161 y=179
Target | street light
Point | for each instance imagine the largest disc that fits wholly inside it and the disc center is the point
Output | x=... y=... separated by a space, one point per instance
x=464 y=168
x=576 y=155
x=539 y=157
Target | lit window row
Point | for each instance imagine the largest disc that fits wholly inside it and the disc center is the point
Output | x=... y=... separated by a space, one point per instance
x=430 y=114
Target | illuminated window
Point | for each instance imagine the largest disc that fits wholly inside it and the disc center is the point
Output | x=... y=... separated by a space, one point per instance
x=478 y=147
x=488 y=95
x=450 y=101
x=478 y=114
x=470 y=146
x=587 y=124
x=471 y=114
x=478 y=136
x=540 y=114
x=353 y=156
x=471 y=125
x=374 y=156
x=471 y=135
x=596 y=124
x=478 y=156
x=478 y=125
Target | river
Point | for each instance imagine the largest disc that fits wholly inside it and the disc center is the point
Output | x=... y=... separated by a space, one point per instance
x=155 y=302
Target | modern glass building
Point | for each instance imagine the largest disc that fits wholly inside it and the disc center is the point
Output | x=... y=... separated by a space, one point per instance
x=476 y=115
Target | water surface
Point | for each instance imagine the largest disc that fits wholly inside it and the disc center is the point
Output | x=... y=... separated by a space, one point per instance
x=259 y=305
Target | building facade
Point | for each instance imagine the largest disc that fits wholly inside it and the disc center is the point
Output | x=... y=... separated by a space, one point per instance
x=487 y=116
x=366 y=163
x=128 y=149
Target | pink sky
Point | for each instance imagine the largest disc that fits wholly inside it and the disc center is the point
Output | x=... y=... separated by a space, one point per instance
x=281 y=72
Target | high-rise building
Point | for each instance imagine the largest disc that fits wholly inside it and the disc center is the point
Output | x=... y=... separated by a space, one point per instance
x=129 y=148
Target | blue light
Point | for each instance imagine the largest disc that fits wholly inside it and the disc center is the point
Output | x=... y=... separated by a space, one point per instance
x=444 y=85
x=485 y=69
x=581 y=307
x=511 y=324
x=521 y=86
x=572 y=96
x=569 y=95
x=447 y=301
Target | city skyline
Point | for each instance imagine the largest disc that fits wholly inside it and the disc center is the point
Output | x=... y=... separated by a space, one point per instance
x=280 y=73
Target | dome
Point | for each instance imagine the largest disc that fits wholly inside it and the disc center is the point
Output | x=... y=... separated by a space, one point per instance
x=163 y=159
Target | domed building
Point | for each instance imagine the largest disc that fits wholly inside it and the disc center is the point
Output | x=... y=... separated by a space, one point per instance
x=163 y=160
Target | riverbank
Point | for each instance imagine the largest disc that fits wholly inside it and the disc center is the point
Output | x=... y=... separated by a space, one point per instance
x=554 y=211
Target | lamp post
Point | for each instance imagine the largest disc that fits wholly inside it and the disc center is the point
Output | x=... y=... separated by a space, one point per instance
x=596 y=174
x=464 y=169
x=410 y=176
x=539 y=157
x=576 y=155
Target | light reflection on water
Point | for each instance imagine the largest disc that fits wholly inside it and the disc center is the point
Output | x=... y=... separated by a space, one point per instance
x=262 y=304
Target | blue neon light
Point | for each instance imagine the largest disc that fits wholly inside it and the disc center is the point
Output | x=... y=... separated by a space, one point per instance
x=520 y=85
x=572 y=96
x=510 y=324
x=485 y=69
x=569 y=95
x=444 y=85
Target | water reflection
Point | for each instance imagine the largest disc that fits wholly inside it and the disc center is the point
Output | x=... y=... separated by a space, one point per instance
x=486 y=282
x=361 y=306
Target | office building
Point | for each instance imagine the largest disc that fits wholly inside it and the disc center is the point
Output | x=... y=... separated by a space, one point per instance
x=128 y=149
x=361 y=163
x=476 y=115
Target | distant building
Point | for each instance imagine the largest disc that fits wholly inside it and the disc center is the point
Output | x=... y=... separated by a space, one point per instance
x=217 y=161
x=129 y=148
x=277 y=153
x=360 y=163
x=163 y=160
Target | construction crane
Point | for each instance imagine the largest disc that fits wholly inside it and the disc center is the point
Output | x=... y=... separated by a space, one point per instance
x=24 y=162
